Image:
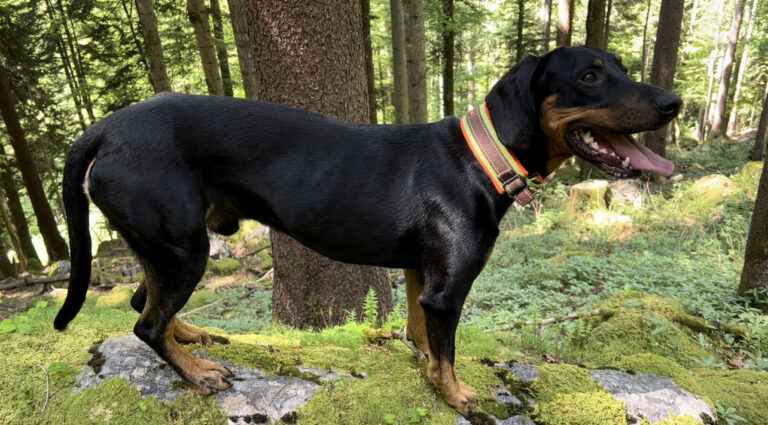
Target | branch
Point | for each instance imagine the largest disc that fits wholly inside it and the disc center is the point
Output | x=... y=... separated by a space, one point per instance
x=552 y=320
x=12 y=283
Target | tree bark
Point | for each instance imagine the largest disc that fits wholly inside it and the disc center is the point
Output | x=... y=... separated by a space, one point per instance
x=365 y=10
x=754 y=275
x=733 y=119
x=416 y=61
x=520 y=25
x=449 y=39
x=17 y=219
x=399 y=62
x=595 y=23
x=54 y=243
x=154 y=47
x=564 y=22
x=758 y=151
x=711 y=71
x=607 y=30
x=665 y=62
x=237 y=11
x=6 y=268
x=315 y=62
x=198 y=16
x=221 y=48
x=13 y=235
x=718 y=121
x=644 y=60
x=77 y=61
x=546 y=13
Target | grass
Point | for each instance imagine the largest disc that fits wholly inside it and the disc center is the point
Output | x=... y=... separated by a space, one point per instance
x=666 y=274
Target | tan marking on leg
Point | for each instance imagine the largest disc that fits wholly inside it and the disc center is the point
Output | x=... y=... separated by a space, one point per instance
x=416 y=329
x=204 y=376
x=85 y=179
x=457 y=394
x=188 y=334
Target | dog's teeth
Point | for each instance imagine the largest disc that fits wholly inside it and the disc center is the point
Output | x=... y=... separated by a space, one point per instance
x=588 y=137
x=602 y=150
x=625 y=163
x=613 y=154
x=594 y=146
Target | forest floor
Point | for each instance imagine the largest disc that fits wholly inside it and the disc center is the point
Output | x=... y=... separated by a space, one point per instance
x=664 y=277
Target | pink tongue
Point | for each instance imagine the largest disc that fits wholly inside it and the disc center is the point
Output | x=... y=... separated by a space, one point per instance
x=640 y=157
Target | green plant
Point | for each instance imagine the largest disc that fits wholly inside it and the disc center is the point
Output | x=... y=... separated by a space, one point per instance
x=417 y=415
x=728 y=414
x=371 y=309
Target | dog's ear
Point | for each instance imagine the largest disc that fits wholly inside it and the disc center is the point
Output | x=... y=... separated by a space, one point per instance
x=514 y=103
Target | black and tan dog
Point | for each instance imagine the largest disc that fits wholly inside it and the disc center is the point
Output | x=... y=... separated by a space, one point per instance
x=407 y=196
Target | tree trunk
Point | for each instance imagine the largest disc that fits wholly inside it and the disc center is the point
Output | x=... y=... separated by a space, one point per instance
x=416 y=61
x=546 y=20
x=694 y=13
x=595 y=23
x=399 y=63
x=711 y=71
x=471 y=73
x=718 y=121
x=6 y=268
x=198 y=16
x=564 y=21
x=136 y=40
x=644 y=60
x=77 y=60
x=310 y=290
x=758 y=151
x=520 y=25
x=18 y=219
x=449 y=37
x=154 y=47
x=365 y=10
x=237 y=11
x=754 y=275
x=733 y=119
x=13 y=235
x=54 y=243
x=607 y=31
x=221 y=48
x=665 y=62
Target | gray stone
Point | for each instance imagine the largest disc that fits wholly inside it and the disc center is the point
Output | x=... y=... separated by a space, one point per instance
x=523 y=372
x=503 y=396
x=218 y=249
x=253 y=398
x=627 y=192
x=650 y=396
x=514 y=420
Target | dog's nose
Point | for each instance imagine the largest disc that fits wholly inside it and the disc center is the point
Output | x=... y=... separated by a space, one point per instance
x=668 y=104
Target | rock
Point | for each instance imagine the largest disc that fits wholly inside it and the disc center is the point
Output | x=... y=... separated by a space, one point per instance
x=503 y=396
x=514 y=420
x=523 y=372
x=591 y=192
x=627 y=192
x=253 y=398
x=59 y=268
x=713 y=188
x=753 y=169
x=330 y=376
x=114 y=248
x=650 y=396
x=218 y=248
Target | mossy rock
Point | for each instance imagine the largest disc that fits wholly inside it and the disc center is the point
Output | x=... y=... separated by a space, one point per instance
x=593 y=194
x=714 y=188
x=225 y=266
x=119 y=297
x=200 y=298
x=753 y=170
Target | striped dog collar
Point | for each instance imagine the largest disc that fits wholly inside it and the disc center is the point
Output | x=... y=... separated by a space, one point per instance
x=505 y=171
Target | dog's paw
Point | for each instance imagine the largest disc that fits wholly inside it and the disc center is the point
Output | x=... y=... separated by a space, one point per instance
x=187 y=334
x=463 y=399
x=207 y=377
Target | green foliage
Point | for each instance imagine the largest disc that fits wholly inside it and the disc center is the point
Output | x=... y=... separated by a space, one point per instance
x=728 y=414
x=371 y=309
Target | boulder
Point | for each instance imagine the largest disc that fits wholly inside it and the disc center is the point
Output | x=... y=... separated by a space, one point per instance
x=627 y=192
x=714 y=188
x=593 y=193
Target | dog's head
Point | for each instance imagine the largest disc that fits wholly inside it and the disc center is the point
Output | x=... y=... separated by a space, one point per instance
x=579 y=100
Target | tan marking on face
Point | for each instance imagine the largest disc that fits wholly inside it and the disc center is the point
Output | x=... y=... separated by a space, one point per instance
x=416 y=329
x=598 y=63
x=85 y=180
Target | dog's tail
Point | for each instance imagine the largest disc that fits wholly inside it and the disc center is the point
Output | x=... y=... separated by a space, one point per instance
x=76 y=207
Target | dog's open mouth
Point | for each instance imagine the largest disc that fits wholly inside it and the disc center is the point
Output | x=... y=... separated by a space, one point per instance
x=617 y=154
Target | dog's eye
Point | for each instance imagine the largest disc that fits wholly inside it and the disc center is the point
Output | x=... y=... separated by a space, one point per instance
x=589 y=77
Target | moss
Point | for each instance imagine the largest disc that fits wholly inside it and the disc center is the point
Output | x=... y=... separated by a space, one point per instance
x=744 y=390
x=567 y=395
x=224 y=266
x=200 y=298
x=119 y=297
x=675 y=420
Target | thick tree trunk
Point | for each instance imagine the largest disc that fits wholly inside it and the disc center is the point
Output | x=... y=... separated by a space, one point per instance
x=520 y=26
x=154 y=47
x=198 y=16
x=18 y=219
x=320 y=68
x=365 y=10
x=54 y=243
x=416 y=60
x=754 y=275
x=733 y=119
x=221 y=48
x=449 y=37
x=546 y=20
x=665 y=62
x=718 y=121
x=237 y=11
x=564 y=21
x=758 y=151
x=595 y=23
x=399 y=62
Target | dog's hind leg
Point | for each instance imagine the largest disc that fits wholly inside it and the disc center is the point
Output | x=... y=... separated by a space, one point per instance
x=182 y=332
x=416 y=327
